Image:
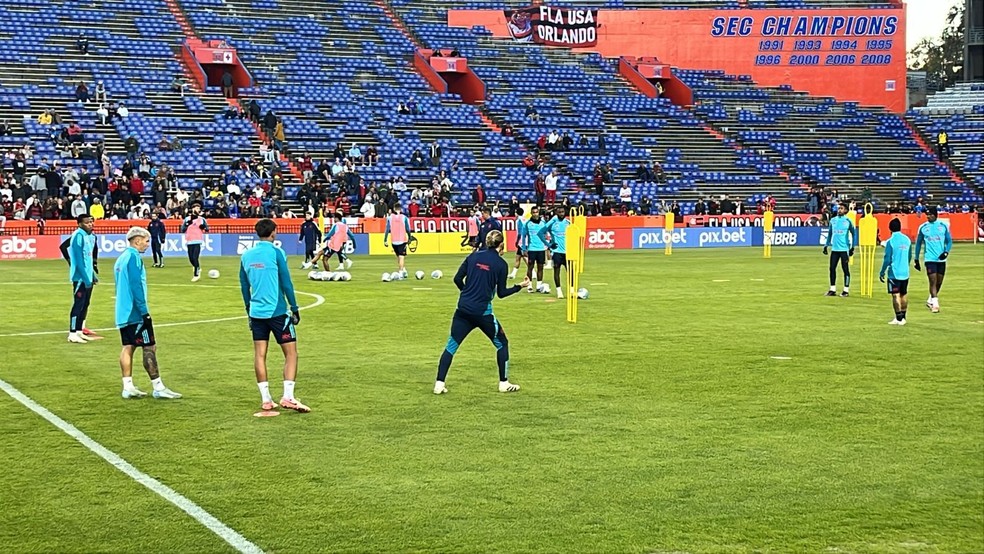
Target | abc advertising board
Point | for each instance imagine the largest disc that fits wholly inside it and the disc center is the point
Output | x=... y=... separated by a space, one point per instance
x=608 y=239
x=29 y=247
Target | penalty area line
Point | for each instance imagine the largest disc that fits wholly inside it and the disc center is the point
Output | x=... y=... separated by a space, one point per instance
x=226 y=533
x=318 y=300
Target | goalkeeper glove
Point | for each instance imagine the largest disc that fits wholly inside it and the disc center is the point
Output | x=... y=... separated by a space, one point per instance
x=917 y=266
x=881 y=277
x=850 y=252
x=824 y=250
x=944 y=255
x=295 y=317
x=553 y=245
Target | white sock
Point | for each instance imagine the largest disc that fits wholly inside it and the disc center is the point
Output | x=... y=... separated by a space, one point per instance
x=512 y=274
x=158 y=384
x=128 y=383
x=847 y=289
x=289 y=389
x=833 y=288
x=265 y=391
x=936 y=302
x=72 y=334
x=83 y=324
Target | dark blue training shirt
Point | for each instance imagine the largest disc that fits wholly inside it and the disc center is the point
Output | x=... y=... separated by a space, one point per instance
x=490 y=224
x=481 y=276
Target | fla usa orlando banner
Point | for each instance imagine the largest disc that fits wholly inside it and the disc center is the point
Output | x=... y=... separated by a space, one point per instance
x=554 y=26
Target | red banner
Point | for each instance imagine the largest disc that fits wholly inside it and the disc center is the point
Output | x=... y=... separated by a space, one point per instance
x=451 y=224
x=752 y=220
x=570 y=27
x=29 y=248
x=608 y=239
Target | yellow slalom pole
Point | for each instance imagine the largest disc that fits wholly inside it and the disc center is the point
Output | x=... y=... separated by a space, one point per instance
x=668 y=225
x=868 y=243
x=575 y=238
x=853 y=216
x=581 y=221
x=768 y=222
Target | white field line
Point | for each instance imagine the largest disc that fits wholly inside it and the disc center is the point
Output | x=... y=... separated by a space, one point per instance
x=226 y=533
x=318 y=300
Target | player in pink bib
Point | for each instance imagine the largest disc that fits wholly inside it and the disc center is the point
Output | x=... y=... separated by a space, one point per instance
x=335 y=239
x=194 y=228
x=398 y=225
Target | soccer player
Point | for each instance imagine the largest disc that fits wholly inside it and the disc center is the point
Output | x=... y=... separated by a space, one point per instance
x=520 y=238
x=84 y=334
x=840 y=241
x=82 y=273
x=480 y=278
x=158 y=233
x=936 y=236
x=336 y=239
x=311 y=236
x=398 y=225
x=557 y=229
x=133 y=316
x=471 y=238
x=898 y=254
x=488 y=225
x=194 y=228
x=535 y=249
x=265 y=282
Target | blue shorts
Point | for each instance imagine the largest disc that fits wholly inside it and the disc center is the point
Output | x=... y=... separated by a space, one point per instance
x=281 y=327
x=400 y=249
x=938 y=268
x=898 y=286
x=559 y=259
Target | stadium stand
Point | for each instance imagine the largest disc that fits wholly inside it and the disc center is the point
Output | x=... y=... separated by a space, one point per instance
x=959 y=111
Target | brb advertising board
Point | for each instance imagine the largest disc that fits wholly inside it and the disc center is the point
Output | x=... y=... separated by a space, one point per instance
x=850 y=54
x=571 y=27
x=29 y=248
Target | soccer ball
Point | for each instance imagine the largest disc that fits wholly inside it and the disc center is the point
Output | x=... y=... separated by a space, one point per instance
x=346 y=276
x=582 y=293
x=313 y=275
x=324 y=276
x=396 y=276
x=436 y=274
x=336 y=276
x=419 y=275
x=544 y=288
x=387 y=277
x=213 y=273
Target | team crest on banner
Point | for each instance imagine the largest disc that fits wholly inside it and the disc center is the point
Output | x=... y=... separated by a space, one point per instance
x=572 y=27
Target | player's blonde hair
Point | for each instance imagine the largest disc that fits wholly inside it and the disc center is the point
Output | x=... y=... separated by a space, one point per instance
x=135 y=232
x=494 y=239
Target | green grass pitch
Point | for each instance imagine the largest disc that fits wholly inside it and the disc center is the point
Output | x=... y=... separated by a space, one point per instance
x=660 y=423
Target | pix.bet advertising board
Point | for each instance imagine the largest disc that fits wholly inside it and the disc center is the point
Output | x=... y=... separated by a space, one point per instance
x=693 y=237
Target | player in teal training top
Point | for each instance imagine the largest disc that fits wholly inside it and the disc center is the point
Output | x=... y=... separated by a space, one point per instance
x=536 y=249
x=82 y=273
x=935 y=235
x=898 y=255
x=557 y=229
x=265 y=282
x=133 y=316
x=841 y=236
x=520 y=241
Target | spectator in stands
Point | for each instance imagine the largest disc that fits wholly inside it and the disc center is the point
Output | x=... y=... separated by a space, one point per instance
x=625 y=194
x=230 y=112
x=943 y=148
x=75 y=135
x=553 y=141
x=227 y=89
x=582 y=141
x=164 y=145
x=531 y=113
x=478 y=195
x=132 y=147
x=37 y=184
x=372 y=156
x=279 y=137
x=101 y=95
x=550 y=187
x=178 y=85
x=608 y=173
x=82 y=92
x=602 y=147
x=270 y=123
x=529 y=162
x=45 y=118
x=355 y=154
x=566 y=142
x=267 y=153
x=541 y=143
x=82 y=44
x=644 y=173
x=253 y=111
x=402 y=109
x=435 y=154
x=436 y=53
x=306 y=166
x=122 y=111
x=727 y=205
x=645 y=206
x=102 y=115
x=507 y=130
x=414 y=108
x=368 y=208
x=5 y=129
